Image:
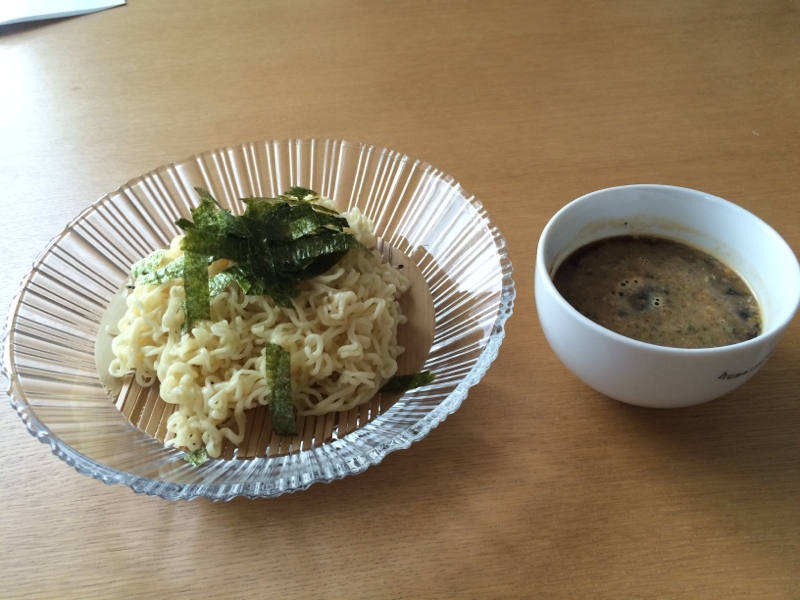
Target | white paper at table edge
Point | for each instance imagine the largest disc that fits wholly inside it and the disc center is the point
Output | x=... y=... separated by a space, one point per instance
x=20 y=11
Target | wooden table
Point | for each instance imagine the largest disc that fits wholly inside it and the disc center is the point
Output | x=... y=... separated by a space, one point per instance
x=538 y=486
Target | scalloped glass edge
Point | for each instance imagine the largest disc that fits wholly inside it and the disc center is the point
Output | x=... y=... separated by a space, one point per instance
x=273 y=488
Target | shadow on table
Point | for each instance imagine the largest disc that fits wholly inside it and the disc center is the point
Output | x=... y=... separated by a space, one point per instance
x=741 y=434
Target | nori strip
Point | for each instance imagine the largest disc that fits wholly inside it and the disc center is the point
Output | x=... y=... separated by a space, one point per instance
x=215 y=246
x=403 y=383
x=196 y=304
x=210 y=216
x=184 y=224
x=301 y=254
x=300 y=193
x=147 y=265
x=219 y=282
x=287 y=221
x=277 y=371
x=173 y=270
x=296 y=221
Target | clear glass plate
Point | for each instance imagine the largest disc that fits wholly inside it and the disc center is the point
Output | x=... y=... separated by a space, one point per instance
x=48 y=347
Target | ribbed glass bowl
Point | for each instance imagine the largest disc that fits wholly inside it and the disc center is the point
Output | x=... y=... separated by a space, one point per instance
x=48 y=343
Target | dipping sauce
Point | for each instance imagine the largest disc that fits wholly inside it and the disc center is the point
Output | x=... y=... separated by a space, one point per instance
x=659 y=291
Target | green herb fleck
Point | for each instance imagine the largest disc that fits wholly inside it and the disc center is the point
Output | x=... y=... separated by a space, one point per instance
x=277 y=371
x=403 y=383
x=197 y=458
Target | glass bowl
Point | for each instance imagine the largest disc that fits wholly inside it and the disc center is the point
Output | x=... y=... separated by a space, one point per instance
x=49 y=339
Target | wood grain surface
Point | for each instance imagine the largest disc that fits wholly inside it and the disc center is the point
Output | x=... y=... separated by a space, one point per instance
x=538 y=487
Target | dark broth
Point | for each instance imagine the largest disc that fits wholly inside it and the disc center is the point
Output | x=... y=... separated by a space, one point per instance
x=659 y=291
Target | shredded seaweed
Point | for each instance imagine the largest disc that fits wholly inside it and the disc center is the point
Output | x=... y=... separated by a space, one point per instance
x=403 y=383
x=274 y=246
x=277 y=371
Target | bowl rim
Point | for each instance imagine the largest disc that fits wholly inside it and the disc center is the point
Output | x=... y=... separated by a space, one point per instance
x=251 y=490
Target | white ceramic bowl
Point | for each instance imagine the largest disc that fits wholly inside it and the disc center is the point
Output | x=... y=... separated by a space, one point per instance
x=645 y=374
